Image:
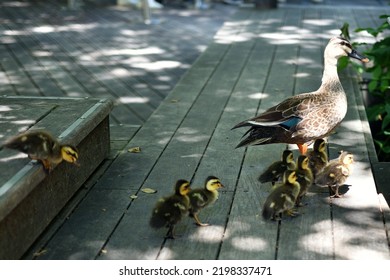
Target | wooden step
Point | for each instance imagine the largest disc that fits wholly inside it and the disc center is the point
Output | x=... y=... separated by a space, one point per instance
x=30 y=197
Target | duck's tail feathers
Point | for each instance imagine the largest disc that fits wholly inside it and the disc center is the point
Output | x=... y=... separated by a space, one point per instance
x=251 y=141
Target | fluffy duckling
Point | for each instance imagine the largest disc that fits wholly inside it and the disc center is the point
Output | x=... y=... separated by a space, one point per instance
x=42 y=146
x=302 y=118
x=318 y=156
x=275 y=171
x=202 y=197
x=305 y=177
x=336 y=173
x=282 y=198
x=168 y=211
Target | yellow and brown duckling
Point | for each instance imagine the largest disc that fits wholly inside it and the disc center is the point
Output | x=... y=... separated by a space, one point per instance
x=42 y=146
x=282 y=198
x=304 y=177
x=168 y=211
x=336 y=173
x=275 y=171
x=203 y=197
x=318 y=156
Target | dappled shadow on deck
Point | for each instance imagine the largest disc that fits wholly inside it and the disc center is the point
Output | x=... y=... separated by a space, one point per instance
x=249 y=67
x=50 y=50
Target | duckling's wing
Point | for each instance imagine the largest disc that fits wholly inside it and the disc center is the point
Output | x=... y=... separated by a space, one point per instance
x=272 y=172
x=198 y=199
x=168 y=210
x=328 y=175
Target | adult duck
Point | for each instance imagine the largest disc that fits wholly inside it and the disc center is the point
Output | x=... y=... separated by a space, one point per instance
x=302 y=118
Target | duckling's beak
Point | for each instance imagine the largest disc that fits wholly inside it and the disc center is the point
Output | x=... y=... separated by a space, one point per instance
x=358 y=56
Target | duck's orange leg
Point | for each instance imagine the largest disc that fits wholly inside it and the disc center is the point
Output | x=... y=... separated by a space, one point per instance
x=302 y=148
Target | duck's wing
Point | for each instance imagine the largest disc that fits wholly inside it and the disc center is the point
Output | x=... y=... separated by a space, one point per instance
x=286 y=114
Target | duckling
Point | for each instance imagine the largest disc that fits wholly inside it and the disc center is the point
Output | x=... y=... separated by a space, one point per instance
x=275 y=171
x=336 y=173
x=282 y=198
x=168 y=211
x=203 y=197
x=305 y=177
x=302 y=118
x=318 y=156
x=42 y=146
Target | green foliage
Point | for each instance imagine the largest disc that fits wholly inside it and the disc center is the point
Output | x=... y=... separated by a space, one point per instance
x=379 y=83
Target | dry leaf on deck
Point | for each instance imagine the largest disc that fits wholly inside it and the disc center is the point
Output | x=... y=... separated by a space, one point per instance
x=134 y=150
x=148 y=190
x=133 y=196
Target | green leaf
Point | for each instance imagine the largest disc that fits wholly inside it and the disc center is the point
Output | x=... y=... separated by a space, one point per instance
x=372 y=85
x=385 y=122
x=342 y=63
x=345 y=31
x=385 y=16
x=384 y=85
x=386 y=149
x=377 y=72
x=375 y=112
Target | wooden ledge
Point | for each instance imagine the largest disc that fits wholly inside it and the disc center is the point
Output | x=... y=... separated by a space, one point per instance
x=29 y=197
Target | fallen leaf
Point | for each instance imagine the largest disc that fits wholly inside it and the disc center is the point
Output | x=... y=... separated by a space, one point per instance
x=134 y=150
x=104 y=251
x=174 y=100
x=148 y=190
x=40 y=253
x=133 y=196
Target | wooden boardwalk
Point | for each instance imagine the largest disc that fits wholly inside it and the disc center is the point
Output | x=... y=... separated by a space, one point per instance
x=48 y=50
x=257 y=59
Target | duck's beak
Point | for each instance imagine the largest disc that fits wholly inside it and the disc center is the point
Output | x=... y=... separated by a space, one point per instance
x=358 y=56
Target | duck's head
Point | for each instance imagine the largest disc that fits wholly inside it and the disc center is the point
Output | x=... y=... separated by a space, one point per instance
x=346 y=158
x=213 y=183
x=182 y=187
x=69 y=153
x=339 y=47
x=319 y=145
x=290 y=177
x=287 y=156
x=303 y=162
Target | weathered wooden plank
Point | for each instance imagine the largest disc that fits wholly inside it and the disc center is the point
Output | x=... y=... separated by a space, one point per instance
x=244 y=237
x=19 y=79
x=264 y=234
x=69 y=82
x=184 y=151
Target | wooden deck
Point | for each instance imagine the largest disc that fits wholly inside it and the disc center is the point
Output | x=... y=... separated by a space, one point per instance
x=100 y=52
x=257 y=59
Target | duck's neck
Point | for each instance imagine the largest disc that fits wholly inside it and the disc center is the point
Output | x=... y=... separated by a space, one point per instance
x=330 y=77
